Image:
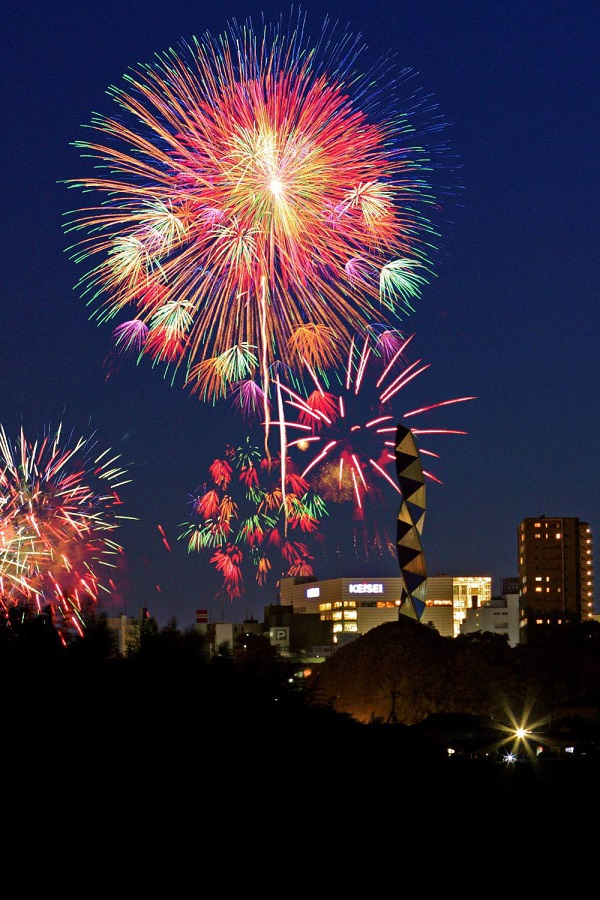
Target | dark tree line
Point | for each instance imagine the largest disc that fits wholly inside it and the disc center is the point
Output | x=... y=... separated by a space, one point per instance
x=171 y=694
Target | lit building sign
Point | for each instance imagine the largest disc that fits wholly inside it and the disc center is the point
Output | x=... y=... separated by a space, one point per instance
x=365 y=588
x=313 y=592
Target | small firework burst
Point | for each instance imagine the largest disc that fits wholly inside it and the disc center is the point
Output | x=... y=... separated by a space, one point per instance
x=238 y=519
x=58 y=501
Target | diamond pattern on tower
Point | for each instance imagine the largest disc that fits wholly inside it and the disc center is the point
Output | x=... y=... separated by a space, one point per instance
x=410 y=524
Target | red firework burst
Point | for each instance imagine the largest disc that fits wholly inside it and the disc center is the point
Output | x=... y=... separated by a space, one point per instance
x=239 y=519
x=351 y=436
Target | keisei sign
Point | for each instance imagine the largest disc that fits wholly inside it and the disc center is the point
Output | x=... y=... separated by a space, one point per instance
x=365 y=587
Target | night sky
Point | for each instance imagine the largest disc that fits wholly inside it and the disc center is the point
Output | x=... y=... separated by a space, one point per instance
x=511 y=316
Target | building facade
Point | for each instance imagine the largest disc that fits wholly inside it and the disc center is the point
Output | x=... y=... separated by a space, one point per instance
x=355 y=605
x=556 y=584
x=500 y=616
x=352 y=605
x=125 y=631
x=448 y=597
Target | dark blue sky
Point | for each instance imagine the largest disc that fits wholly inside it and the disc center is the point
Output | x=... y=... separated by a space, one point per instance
x=511 y=317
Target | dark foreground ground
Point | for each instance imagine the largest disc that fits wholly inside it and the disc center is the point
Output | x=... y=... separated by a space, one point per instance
x=160 y=789
x=160 y=804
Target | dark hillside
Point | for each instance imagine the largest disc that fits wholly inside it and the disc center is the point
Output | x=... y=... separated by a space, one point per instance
x=406 y=671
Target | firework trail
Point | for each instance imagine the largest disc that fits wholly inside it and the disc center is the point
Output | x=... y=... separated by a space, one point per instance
x=239 y=519
x=350 y=436
x=257 y=198
x=58 y=517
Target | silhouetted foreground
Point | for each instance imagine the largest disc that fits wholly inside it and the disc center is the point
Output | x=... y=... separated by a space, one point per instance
x=168 y=725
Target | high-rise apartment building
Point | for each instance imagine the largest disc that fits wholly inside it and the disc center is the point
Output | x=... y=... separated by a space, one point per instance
x=556 y=584
x=510 y=585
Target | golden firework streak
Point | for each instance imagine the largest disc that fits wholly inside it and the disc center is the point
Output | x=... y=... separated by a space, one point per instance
x=283 y=439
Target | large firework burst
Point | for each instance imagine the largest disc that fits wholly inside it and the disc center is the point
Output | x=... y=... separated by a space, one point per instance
x=238 y=517
x=349 y=434
x=58 y=500
x=257 y=198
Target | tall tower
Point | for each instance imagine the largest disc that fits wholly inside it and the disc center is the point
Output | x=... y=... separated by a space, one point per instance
x=555 y=573
x=410 y=524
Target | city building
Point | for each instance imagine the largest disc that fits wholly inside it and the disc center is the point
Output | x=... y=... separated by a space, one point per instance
x=439 y=616
x=225 y=636
x=510 y=585
x=353 y=606
x=556 y=582
x=125 y=631
x=305 y=636
x=499 y=616
x=448 y=597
